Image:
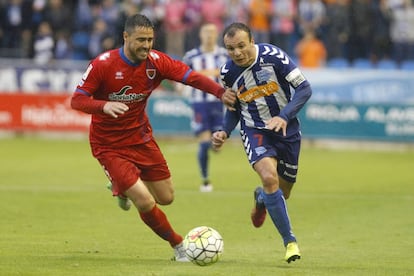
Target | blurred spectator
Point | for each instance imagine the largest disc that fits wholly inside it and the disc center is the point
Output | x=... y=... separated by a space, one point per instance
x=127 y=8
x=62 y=45
x=259 y=12
x=367 y=29
x=381 y=44
x=311 y=16
x=402 y=31
x=15 y=22
x=175 y=28
x=38 y=8
x=109 y=12
x=362 y=28
x=236 y=11
x=214 y=11
x=311 y=51
x=337 y=28
x=156 y=13
x=99 y=32
x=108 y=42
x=59 y=15
x=43 y=44
x=80 y=45
x=83 y=15
x=283 y=24
x=193 y=19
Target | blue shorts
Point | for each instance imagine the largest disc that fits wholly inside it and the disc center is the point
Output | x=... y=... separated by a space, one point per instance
x=259 y=143
x=207 y=116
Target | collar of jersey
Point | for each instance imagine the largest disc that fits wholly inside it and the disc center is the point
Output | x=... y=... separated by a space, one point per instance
x=124 y=58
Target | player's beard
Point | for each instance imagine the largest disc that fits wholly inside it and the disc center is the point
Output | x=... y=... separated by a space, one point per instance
x=137 y=54
x=140 y=54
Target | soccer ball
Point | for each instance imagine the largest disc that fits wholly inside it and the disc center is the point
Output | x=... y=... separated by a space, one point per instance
x=203 y=245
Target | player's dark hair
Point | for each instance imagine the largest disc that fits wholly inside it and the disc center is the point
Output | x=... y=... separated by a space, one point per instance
x=231 y=29
x=137 y=20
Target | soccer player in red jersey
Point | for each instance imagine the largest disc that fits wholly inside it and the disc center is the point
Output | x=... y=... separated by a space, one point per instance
x=115 y=90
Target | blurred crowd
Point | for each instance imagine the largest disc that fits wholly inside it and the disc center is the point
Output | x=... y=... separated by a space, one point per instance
x=311 y=31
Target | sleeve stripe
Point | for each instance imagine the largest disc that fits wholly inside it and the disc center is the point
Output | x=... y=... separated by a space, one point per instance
x=83 y=92
x=186 y=75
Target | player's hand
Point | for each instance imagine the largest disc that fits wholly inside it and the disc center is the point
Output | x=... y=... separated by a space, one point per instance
x=277 y=123
x=114 y=109
x=229 y=99
x=218 y=138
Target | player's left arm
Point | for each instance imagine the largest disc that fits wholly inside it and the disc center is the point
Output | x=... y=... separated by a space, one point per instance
x=177 y=70
x=303 y=92
x=286 y=68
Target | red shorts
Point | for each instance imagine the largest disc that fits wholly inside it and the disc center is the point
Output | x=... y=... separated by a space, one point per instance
x=124 y=166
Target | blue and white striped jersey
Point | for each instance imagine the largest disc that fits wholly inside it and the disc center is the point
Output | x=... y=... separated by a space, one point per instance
x=205 y=63
x=264 y=88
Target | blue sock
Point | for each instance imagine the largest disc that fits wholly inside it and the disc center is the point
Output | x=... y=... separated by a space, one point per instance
x=203 y=158
x=276 y=207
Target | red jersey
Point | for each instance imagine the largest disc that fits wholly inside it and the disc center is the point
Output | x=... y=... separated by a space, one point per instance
x=112 y=77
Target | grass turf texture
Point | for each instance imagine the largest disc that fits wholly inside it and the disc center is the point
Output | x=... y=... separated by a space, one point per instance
x=351 y=211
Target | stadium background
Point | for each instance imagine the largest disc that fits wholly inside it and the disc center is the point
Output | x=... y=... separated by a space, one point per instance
x=362 y=89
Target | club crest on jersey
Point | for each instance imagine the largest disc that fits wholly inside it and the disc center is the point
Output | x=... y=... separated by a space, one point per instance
x=260 y=150
x=151 y=73
x=263 y=75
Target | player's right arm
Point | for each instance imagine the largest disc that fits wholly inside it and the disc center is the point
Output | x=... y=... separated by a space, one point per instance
x=231 y=119
x=84 y=101
x=87 y=104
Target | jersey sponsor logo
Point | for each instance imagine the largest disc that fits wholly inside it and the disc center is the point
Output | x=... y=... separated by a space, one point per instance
x=258 y=92
x=121 y=96
x=151 y=73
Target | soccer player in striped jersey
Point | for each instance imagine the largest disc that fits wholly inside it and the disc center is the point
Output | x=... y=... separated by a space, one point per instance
x=115 y=89
x=263 y=76
x=208 y=110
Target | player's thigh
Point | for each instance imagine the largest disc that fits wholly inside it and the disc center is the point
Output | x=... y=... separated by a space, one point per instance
x=161 y=190
x=156 y=176
x=257 y=144
x=122 y=172
x=288 y=156
x=288 y=153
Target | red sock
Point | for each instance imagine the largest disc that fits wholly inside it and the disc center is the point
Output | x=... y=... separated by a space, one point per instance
x=158 y=222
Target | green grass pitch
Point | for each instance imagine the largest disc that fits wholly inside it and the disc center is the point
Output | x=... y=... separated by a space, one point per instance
x=351 y=210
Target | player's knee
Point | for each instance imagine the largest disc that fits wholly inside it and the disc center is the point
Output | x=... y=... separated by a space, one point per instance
x=270 y=181
x=165 y=199
x=143 y=205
